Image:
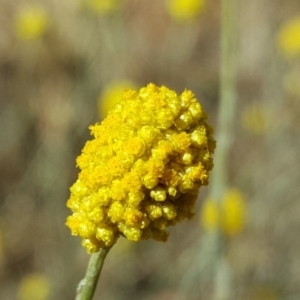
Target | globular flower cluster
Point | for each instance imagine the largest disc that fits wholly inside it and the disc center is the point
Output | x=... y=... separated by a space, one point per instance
x=142 y=171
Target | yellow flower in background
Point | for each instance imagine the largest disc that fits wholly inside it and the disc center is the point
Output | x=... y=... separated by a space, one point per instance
x=288 y=39
x=31 y=23
x=111 y=95
x=34 y=286
x=103 y=6
x=182 y=10
x=142 y=171
x=210 y=215
x=228 y=216
x=234 y=211
x=254 y=119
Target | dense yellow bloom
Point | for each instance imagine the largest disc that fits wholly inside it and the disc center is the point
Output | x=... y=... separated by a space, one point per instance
x=254 y=119
x=34 y=286
x=228 y=216
x=103 y=6
x=112 y=95
x=31 y=23
x=142 y=171
x=288 y=38
x=182 y=10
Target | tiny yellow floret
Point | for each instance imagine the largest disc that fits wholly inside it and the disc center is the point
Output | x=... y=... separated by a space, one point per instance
x=142 y=170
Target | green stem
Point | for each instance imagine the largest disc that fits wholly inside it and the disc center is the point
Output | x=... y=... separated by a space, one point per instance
x=87 y=286
x=228 y=96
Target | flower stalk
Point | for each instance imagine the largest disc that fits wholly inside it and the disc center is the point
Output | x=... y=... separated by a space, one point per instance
x=228 y=96
x=87 y=286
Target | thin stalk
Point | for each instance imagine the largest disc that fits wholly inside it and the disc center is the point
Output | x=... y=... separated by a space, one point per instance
x=228 y=96
x=87 y=286
x=225 y=133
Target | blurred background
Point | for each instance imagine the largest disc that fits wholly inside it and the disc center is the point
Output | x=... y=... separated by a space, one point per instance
x=64 y=63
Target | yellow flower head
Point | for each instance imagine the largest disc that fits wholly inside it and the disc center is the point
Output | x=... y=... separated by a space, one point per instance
x=182 y=10
x=111 y=96
x=228 y=216
x=288 y=39
x=254 y=119
x=142 y=171
x=103 y=6
x=34 y=286
x=31 y=23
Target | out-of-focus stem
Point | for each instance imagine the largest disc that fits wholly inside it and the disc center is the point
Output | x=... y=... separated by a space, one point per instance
x=87 y=286
x=227 y=96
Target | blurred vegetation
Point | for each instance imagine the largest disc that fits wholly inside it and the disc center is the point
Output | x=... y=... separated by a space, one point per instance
x=56 y=60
